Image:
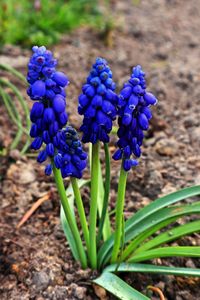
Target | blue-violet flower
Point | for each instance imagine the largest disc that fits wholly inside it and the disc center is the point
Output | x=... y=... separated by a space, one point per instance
x=134 y=115
x=98 y=103
x=46 y=88
x=48 y=116
x=71 y=158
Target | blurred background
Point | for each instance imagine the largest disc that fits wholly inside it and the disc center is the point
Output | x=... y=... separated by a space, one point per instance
x=160 y=35
x=42 y=21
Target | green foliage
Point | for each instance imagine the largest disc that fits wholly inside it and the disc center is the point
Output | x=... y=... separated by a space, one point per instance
x=141 y=244
x=42 y=21
x=149 y=217
x=64 y=222
x=7 y=91
x=122 y=290
x=118 y=287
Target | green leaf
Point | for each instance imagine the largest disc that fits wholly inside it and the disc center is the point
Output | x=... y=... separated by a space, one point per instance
x=161 y=203
x=144 y=235
x=14 y=72
x=106 y=227
x=149 y=268
x=13 y=111
x=170 y=235
x=68 y=234
x=64 y=223
x=118 y=287
x=142 y=214
x=25 y=108
x=162 y=215
x=14 y=115
x=191 y=251
x=104 y=223
x=22 y=101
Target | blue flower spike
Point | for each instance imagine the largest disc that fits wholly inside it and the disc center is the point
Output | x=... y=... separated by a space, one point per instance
x=46 y=89
x=134 y=114
x=48 y=116
x=98 y=103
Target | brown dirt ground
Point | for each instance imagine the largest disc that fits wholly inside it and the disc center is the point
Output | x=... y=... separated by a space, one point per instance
x=162 y=36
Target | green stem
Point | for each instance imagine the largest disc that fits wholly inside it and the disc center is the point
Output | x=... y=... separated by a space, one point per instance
x=119 y=214
x=106 y=194
x=69 y=217
x=81 y=210
x=93 y=205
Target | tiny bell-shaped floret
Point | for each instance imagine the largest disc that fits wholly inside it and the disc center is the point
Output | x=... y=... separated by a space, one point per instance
x=59 y=104
x=60 y=78
x=38 y=89
x=48 y=170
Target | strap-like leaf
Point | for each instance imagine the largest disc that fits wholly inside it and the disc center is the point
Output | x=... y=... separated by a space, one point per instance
x=22 y=101
x=118 y=287
x=148 y=268
x=191 y=251
x=144 y=235
x=156 y=218
x=143 y=213
x=14 y=72
x=170 y=235
x=64 y=223
x=104 y=214
x=68 y=234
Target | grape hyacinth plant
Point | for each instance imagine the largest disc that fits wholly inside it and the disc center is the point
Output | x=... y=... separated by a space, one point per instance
x=94 y=243
x=98 y=104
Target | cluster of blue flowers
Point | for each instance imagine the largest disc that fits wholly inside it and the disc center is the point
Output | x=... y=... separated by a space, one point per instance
x=73 y=159
x=98 y=103
x=47 y=89
x=48 y=116
x=134 y=115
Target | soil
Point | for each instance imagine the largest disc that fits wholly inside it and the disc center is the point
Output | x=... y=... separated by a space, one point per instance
x=162 y=36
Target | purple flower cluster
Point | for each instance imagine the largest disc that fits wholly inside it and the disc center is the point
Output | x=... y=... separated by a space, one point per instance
x=47 y=90
x=97 y=103
x=48 y=116
x=70 y=157
x=134 y=115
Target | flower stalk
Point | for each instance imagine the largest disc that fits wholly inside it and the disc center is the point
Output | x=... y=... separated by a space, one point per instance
x=93 y=205
x=81 y=211
x=69 y=217
x=119 y=214
x=106 y=194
